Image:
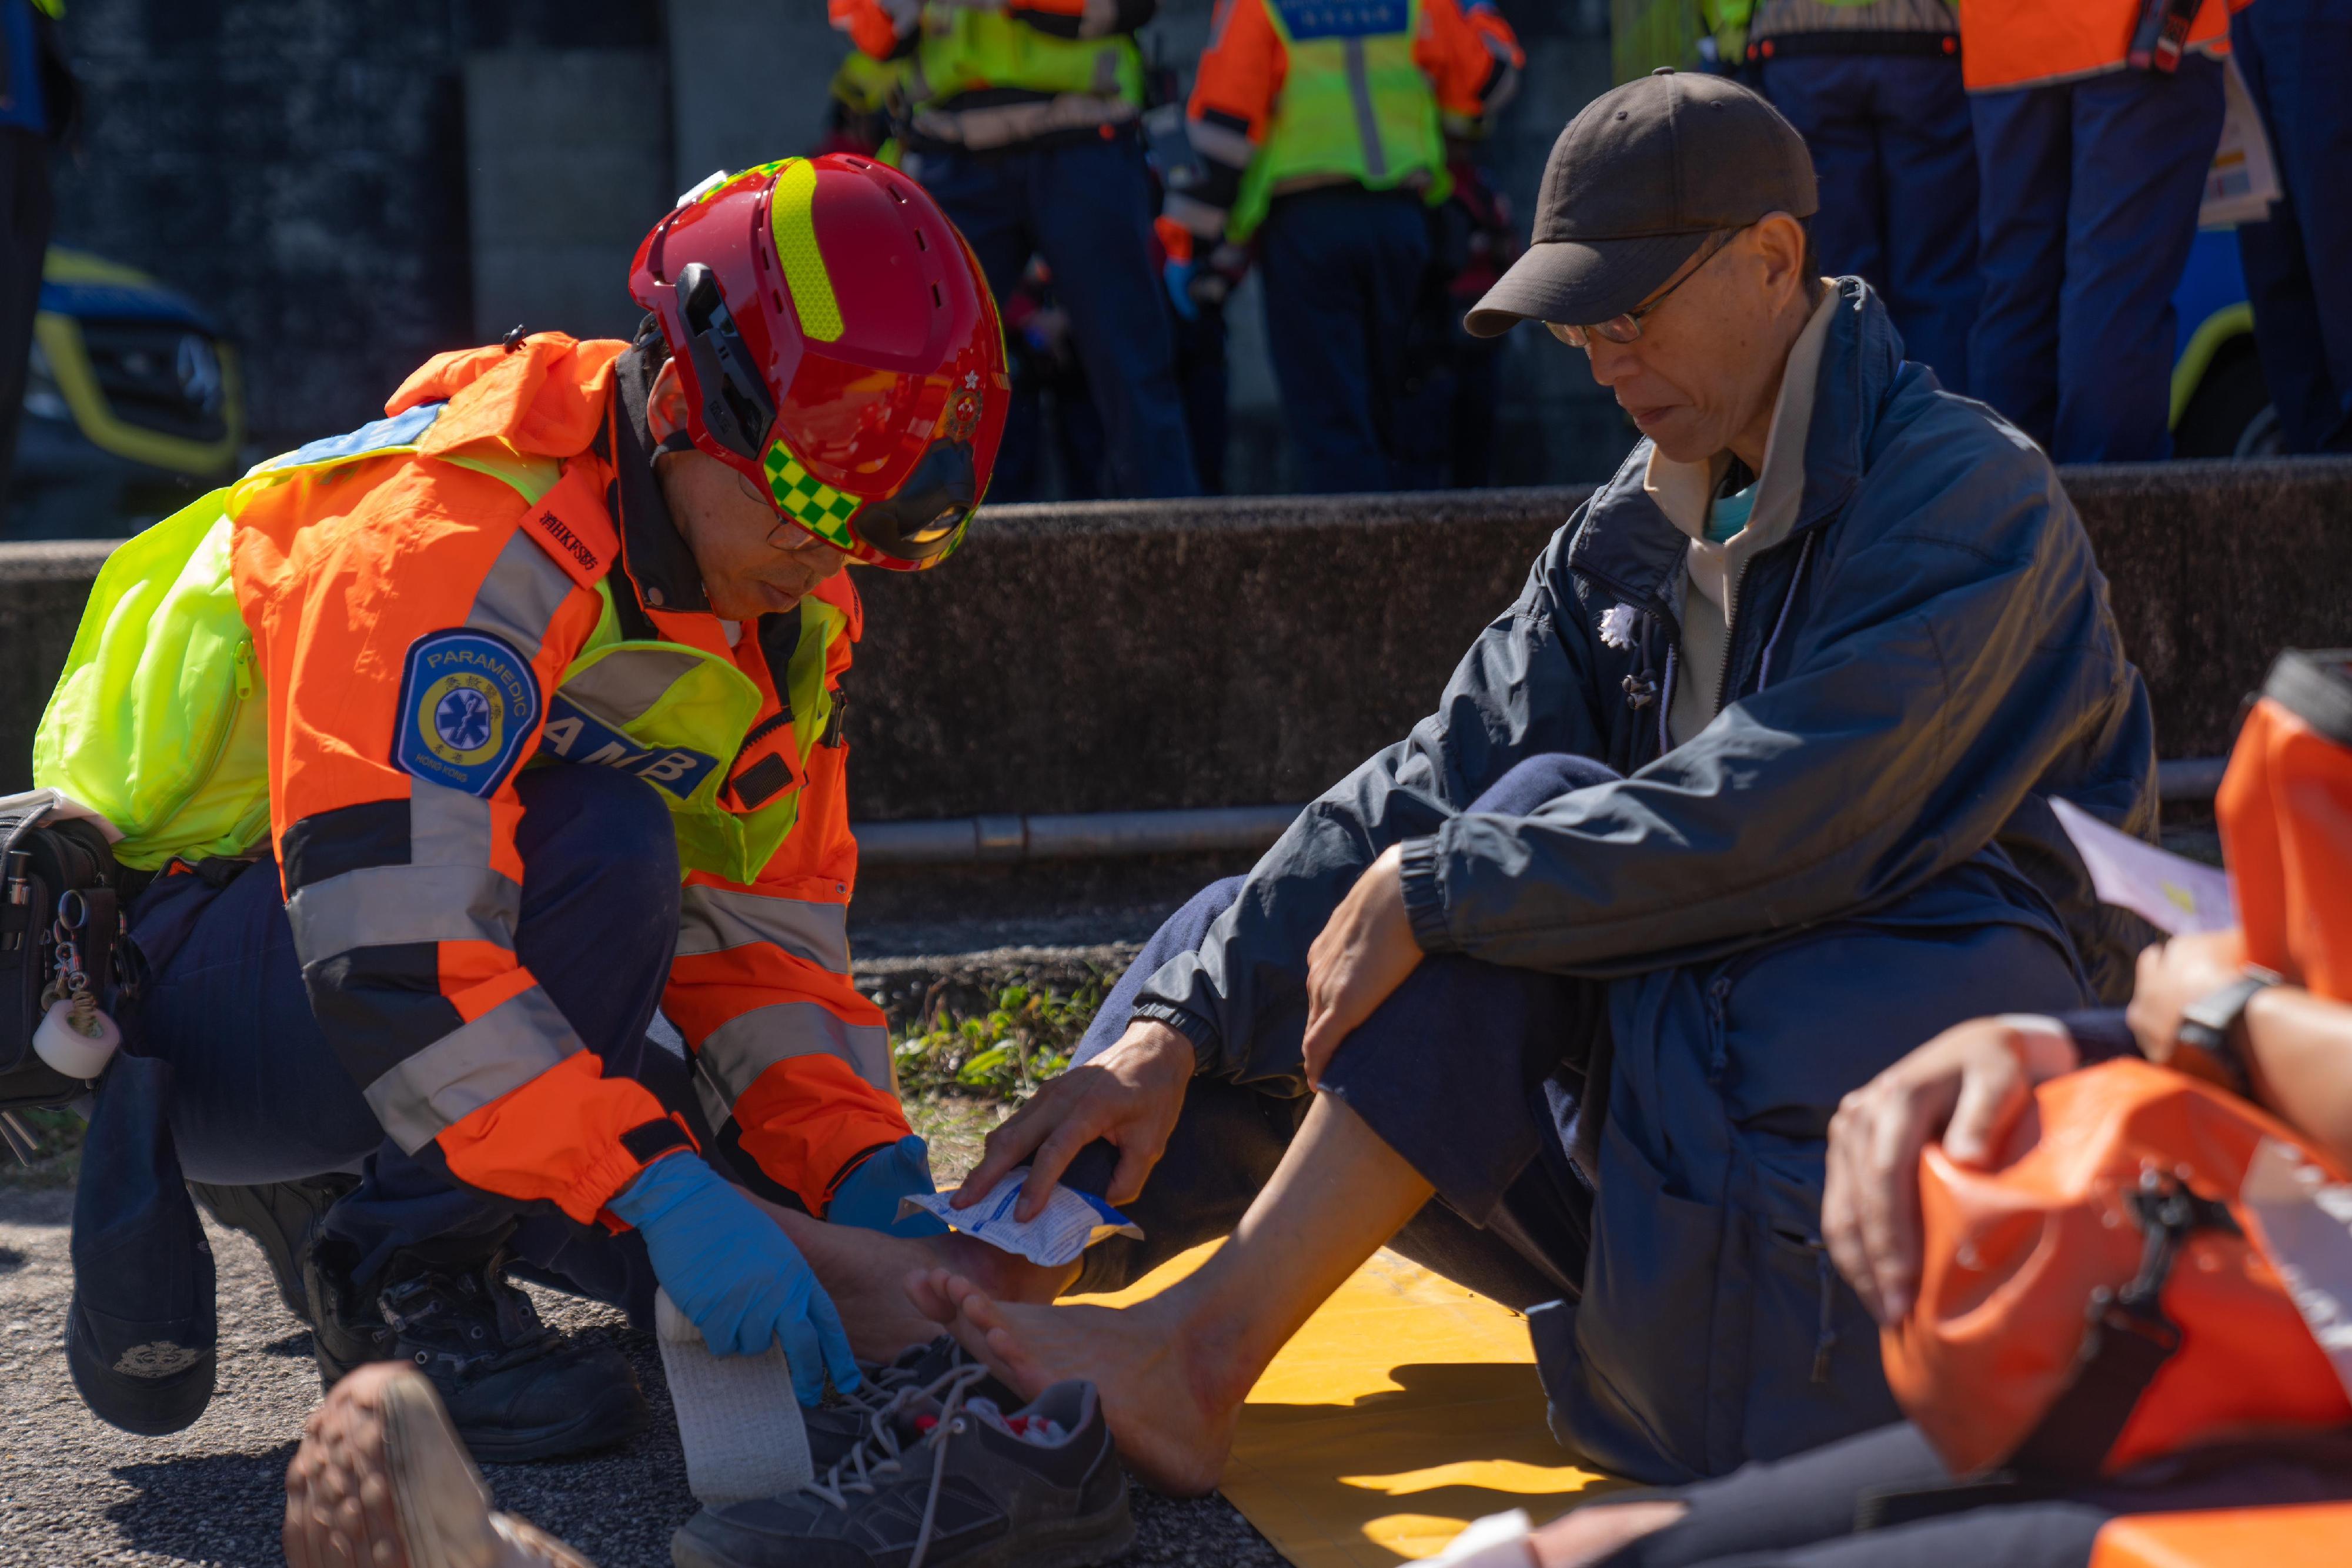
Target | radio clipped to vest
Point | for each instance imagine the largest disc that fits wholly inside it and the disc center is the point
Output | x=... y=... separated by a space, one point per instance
x=60 y=938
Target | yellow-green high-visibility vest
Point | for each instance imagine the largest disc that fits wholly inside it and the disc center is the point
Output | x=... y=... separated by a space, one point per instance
x=1354 y=104
x=160 y=722
x=967 y=50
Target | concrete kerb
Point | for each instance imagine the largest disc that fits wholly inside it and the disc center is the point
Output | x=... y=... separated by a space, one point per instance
x=1162 y=655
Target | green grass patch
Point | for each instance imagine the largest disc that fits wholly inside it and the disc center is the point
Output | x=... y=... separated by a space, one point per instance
x=57 y=1141
x=1003 y=1053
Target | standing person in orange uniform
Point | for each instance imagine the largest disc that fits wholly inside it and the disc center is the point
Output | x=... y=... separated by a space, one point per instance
x=532 y=727
x=1318 y=129
x=2092 y=138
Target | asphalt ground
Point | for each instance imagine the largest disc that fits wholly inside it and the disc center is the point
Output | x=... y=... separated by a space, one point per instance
x=74 y=1491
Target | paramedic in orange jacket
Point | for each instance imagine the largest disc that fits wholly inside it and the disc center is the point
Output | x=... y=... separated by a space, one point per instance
x=1318 y=131
x=553 y=657
x=2090 y=164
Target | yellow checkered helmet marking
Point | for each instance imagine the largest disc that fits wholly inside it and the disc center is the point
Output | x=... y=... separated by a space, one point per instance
x=807 y=500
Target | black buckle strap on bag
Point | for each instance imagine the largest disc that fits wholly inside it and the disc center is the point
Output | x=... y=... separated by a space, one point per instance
x=2127 y=1340
x=43 y=859
x=2161 y=34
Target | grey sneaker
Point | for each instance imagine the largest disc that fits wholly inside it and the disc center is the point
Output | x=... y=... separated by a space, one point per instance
x=845 y=1420
x=945 y=1478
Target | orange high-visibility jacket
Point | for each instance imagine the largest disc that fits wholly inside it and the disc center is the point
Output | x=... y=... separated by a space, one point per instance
x=2024 y=43
x=338 y=575
x=1467 y=51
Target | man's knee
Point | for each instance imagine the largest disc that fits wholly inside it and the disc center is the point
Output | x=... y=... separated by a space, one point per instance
x=1530 y=783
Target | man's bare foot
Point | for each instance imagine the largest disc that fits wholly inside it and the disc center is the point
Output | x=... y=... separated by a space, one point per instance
x=866 y=1271
x=1170 y=1403
x=382 y=1480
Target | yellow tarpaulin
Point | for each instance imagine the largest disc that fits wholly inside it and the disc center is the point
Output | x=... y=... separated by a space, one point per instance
x=1405 y=1408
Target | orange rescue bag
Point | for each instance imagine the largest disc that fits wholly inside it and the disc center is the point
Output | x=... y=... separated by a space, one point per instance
x=2104 y=1294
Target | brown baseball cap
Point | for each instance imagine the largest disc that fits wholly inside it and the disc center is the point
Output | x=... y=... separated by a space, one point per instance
x=1635 y=185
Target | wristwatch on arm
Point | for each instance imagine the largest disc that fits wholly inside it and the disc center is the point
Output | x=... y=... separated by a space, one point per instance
x=2207 y=1042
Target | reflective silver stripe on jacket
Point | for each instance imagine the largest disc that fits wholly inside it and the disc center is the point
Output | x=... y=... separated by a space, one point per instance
x=1778 y=18
x=714 y=919
x=619 y=687
x=1003 y=124
x=1367 y=119
x=1220 y=144
x=744 y=1047
x=446 y=826
x=388 y=906
x=472 y=1065
x=520 y=595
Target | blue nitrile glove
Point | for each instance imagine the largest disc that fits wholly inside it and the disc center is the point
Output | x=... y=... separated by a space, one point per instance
x=1177 y=275
x=730 y=1269
x=868 y=1197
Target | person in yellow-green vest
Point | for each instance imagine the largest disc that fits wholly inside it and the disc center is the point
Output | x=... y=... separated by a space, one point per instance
x=1319 y=130
x=480 y=779
x=38 y=105
x=1022 y=118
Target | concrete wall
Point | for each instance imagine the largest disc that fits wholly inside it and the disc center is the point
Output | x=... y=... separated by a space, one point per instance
x=301 y=169
x=1248 y=652
x=568 y=166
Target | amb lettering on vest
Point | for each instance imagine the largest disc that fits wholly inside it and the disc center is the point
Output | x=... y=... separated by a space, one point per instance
x=576 y=734
x=1355 y=105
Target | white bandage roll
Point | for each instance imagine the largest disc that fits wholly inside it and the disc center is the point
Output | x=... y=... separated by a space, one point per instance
x=738 y=1418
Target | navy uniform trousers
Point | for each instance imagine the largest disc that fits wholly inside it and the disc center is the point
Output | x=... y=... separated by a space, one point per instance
x=257 y=1094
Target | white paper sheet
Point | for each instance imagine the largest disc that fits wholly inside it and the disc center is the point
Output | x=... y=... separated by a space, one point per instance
x=2175 y=895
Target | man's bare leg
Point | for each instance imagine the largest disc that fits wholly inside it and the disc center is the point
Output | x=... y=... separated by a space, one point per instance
x=865 y=1272
x=1173 y=1370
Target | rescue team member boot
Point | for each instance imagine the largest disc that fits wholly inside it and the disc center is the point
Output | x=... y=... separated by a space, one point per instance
x=511 y=719
x=514 y=1389
x=948 y=1477
x=281 y=1217
x=382 y=1480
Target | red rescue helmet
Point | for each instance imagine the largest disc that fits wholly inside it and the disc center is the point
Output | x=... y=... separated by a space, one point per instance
x=838 y=345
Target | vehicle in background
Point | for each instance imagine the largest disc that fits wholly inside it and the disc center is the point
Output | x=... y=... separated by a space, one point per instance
x=133 y=406
x=2221 y=403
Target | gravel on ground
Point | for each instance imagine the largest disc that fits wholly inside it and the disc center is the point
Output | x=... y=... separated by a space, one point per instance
x=74 y=1491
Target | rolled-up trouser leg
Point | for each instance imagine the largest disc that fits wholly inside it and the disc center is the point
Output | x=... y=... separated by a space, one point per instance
x=260 y=1097
x=1475 y=1067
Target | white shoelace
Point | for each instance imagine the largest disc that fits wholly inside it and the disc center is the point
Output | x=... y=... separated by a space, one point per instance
x=853 y=1472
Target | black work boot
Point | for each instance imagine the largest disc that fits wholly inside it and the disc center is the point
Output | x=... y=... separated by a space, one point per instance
x=515 y=1389
x=282 y=1217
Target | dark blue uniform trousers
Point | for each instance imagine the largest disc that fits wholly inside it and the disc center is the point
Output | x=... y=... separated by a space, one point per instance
x=257 y=1092
x=1085 y=207
x=1492 y=1129
x=2087 y=203
x=1343 y=268
x=2294 y=55
x=1892 y=147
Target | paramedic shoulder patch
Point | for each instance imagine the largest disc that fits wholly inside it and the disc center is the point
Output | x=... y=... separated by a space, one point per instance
x=467 y=703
